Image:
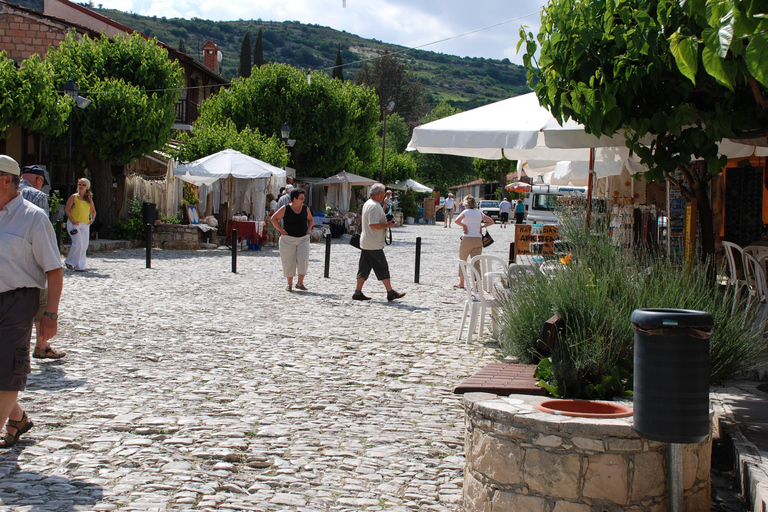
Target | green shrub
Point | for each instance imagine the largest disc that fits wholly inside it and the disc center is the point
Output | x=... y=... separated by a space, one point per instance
x=407 y=202
x=594 y=296
x=133 y=228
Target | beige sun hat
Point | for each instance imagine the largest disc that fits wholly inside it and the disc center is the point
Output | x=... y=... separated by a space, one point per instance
x=9 y=165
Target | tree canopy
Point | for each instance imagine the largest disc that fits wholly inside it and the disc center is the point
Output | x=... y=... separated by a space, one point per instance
x=258 y=49
x=338 y=66
x=683 y=75
x=393 y=81
x=29 y=98
x=333 y=123
x=133 y=86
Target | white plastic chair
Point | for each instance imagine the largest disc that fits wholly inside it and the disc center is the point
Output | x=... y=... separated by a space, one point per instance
x=757 y=285
x=491 y=268
x=477 y=303
x=735 y=274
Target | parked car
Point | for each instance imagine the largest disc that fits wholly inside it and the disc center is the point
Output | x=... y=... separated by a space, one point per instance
x=490 y=208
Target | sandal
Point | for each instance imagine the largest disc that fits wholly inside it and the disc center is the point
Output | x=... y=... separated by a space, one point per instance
x=301 y=287
x=22 y=426
x=48 y=353
x=69 y=267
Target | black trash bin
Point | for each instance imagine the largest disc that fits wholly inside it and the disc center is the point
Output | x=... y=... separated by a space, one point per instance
x=148 y=213
x=671 y=381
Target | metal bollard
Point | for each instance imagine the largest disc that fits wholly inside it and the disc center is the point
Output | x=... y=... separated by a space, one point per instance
x=327 y=255
x=512 y=253
x=149 y=245
x=418 y=259
x=233 y=241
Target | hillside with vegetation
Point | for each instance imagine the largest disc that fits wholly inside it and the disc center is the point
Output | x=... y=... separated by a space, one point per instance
x=465 y=83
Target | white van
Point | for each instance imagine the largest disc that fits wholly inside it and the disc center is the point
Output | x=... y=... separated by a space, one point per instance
x=542 y=201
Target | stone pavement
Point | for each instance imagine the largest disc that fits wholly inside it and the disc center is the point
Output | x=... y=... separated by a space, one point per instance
x=188 y=387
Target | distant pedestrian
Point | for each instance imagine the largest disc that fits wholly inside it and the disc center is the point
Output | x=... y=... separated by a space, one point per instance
x=448 y=207
x=29 y=258
x=472 y=221
x=32 y=180
x=284 y=199
x=372 y=241
x=504 y=207
x=519 y=211
x=80 y=215
x=294 y=242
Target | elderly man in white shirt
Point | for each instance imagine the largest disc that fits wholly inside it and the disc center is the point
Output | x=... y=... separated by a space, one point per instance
x=29 y=257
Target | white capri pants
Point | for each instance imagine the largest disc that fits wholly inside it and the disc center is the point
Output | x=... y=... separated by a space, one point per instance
x=294 y=252
x=80 y=241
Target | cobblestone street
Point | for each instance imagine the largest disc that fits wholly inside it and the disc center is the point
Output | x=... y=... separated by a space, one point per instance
x=188 y=387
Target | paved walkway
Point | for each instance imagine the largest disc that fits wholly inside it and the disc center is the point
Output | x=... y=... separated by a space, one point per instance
x=190 y=387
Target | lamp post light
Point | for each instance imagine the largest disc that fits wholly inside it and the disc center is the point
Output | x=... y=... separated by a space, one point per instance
x=71 y=90
x=390 y=107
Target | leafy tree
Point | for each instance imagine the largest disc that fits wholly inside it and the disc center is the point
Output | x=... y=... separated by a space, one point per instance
x=258 y=49
x=29 y=98
x=398 y=133
x=333 y=123
x=215 y=137
x=397 y=166
x=443 y=170
x=495 y=171
x=245 y=56
x=682 y=74
x=338 y=67
x=392 y=81
x=182 y=46
x=133 y=86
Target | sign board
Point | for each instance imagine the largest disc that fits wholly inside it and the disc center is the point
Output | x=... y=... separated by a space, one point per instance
x=531 y=240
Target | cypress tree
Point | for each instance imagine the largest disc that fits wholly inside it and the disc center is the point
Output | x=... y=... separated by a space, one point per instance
x=338 y=67
x=245 y=56
x=258 y=49
x=182 y=46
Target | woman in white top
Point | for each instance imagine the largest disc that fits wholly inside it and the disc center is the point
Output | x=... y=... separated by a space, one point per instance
x=472 y=221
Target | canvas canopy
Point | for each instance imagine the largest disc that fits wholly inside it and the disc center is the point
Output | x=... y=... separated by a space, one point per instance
x=340 y=188
x=411 y=184
x=225 y=164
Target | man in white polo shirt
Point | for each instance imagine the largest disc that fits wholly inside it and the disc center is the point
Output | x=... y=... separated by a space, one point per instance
x=29 y=257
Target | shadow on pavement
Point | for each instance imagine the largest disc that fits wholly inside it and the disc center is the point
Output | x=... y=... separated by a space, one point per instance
x=51 y=375
x=34 y=492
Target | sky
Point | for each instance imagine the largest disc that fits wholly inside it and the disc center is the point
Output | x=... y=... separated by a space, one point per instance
x=479 y=28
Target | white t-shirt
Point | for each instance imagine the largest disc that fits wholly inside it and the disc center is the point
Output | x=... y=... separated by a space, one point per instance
x=473 y=219
x=373 y=239
x=449 y=203
x=29 y=247
x=504 y=206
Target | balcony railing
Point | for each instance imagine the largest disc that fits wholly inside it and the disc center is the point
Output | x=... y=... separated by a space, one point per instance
x=186 y=111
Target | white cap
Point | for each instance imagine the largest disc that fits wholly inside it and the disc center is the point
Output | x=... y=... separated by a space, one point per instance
x=288 y=188
x=9 y=165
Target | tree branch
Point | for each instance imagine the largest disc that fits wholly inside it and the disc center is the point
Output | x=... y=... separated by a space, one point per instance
x=683 y=190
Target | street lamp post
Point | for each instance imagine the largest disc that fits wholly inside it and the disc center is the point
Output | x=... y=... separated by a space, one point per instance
x=71 y=90
x=390 y=107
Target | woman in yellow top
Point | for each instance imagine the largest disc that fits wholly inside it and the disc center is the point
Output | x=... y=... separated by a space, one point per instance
x=80 y=215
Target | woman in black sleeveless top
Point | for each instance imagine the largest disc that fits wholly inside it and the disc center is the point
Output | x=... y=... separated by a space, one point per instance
x=294 y=239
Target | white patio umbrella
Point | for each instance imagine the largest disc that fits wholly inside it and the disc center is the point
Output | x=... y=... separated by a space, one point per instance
x=521 y=129
x=410 y=184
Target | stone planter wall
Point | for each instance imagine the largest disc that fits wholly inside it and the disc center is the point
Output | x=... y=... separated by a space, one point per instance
x=519 y=459
x=176 y=236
